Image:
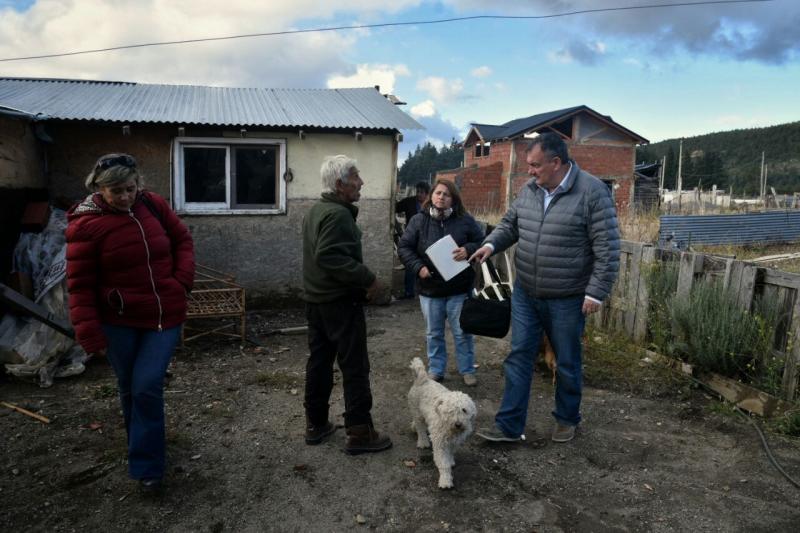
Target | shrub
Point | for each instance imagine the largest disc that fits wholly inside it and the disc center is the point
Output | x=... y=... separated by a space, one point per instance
x=717 y=335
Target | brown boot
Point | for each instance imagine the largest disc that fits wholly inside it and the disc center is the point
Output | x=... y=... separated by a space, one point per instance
x=316 y=434
x=364 y=439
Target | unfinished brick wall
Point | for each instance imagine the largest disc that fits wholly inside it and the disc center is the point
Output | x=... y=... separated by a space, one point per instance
x=604 y=161
x=498 y=153
x=480 y=187
x=609 y=162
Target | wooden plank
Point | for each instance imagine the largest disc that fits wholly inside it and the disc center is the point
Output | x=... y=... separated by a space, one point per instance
x=744 y=396
x=643 y=294
x=726 y=277
x=790 y=369
x=617 y=314
x=691 y=263
x=737 y=268
x=747 y=287
x=632 y=288
x=626 y=247
x=781 y=278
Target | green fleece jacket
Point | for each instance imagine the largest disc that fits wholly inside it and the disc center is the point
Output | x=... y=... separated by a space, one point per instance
x=333 y=265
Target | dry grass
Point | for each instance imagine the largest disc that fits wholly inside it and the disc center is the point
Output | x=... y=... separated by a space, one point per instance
x=636 y=226
x=639 y=226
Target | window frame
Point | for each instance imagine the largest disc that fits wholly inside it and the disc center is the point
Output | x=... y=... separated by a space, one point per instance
x=218 y=208
x=484 y=148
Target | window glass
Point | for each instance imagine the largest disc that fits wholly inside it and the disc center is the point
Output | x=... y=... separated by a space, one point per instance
x=204 y=174
x=255 y=175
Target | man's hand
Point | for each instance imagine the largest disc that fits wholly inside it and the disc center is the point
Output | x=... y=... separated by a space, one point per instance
x=100 y=353
x=424 y=273
x=481 y=254
x=374 y=289
x=459 y=254
x=590 y=306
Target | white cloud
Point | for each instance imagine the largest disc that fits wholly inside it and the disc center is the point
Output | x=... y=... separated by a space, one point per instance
x=302 y=60
x=423 y=109
x=369 y=75
x=481 y=72
x=441 y=89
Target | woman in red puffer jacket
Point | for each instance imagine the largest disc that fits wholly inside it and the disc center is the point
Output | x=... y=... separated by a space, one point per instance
x=130 y=266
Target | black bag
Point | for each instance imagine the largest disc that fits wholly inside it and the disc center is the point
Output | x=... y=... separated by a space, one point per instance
x=487 y=318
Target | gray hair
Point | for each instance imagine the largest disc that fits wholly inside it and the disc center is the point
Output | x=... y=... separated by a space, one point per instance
x=336 y=168
x=111 y=170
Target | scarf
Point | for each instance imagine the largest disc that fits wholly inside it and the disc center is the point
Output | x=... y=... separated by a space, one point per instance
x=440 y=214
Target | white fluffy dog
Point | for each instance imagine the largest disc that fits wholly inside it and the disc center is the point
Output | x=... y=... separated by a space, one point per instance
x=446 y=415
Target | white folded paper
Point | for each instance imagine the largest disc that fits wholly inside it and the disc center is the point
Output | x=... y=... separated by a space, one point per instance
x=441 y=254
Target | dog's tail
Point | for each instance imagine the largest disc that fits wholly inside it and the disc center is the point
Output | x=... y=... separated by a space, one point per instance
x=418 y=367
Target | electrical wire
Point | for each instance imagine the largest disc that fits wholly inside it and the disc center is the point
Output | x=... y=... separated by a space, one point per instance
x=767 y=449
x=764 y=443
x=384 y=25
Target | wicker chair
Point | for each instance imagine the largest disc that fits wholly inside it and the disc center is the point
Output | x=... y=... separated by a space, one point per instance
x=215 y=295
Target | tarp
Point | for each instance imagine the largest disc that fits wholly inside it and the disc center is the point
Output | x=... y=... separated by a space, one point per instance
x=28 y=347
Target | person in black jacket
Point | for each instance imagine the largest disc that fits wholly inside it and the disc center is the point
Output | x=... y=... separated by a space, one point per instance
x=409 y=207
x=443 y=214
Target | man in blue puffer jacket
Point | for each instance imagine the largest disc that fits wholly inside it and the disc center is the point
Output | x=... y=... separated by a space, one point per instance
x=567 y=259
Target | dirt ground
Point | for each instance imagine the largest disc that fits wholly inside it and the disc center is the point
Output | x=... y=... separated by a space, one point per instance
x=237 y=461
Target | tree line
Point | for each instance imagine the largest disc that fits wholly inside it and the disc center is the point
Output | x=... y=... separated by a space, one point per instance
x=426 y=160
x=732 y=159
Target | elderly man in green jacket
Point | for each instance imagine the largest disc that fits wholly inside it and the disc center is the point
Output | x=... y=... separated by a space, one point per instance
x=337 y=283
x=565 y=227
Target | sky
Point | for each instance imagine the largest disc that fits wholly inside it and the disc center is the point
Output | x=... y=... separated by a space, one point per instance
x=663 y=72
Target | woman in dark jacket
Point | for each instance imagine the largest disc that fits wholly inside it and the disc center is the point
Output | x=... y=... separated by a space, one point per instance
x=130 y=266
x=443 y=214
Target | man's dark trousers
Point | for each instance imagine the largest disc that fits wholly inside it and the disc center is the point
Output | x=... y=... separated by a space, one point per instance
x=337 y=331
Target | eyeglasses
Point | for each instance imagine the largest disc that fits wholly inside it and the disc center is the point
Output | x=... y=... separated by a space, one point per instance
x=123 y=160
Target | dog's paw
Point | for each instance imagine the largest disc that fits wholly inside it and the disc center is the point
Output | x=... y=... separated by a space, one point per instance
x=445 y=483
x=423 y=445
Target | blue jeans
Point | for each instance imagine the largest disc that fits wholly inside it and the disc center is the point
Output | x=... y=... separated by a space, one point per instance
x=436 y=311
x=140 y=358
x=563 y=321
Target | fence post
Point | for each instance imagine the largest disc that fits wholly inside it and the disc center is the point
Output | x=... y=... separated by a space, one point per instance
x=747 y=287
x=617 y=305
x=790 y=368
x=691 y=263
x=643 y=294
x=632 y=289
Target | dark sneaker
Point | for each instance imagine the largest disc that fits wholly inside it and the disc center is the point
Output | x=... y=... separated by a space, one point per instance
x=364 y=439
x=495 y=434
x=316 y=434
x=435 y=377
x=470 y=380
x=563 y=433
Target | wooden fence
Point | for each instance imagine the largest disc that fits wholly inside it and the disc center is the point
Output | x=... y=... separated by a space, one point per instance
x=628 y=306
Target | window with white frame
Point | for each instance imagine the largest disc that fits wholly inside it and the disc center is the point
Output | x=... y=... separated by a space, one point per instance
x=223 y=175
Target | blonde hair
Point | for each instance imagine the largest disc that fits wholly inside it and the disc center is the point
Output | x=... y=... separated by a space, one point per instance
x=111 y=170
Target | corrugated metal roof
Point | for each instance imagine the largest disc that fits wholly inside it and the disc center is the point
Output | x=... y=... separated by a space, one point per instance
x=523 y=125
x=768 y=227
x=362 y=108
